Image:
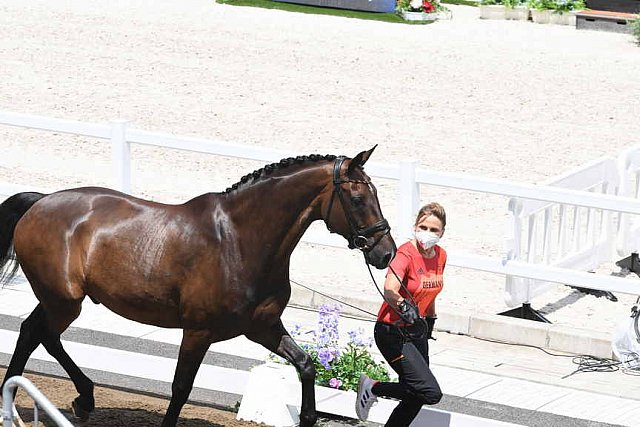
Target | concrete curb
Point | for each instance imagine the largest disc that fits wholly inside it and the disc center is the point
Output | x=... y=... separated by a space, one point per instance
x=485 y=326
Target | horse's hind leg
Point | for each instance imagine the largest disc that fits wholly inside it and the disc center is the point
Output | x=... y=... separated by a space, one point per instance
x=84 y=404
x=42 y=327
x=277 y=339
x=28 y=340
x=55 y=324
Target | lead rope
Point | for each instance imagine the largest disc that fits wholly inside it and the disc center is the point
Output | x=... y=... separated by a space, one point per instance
x=403 y=329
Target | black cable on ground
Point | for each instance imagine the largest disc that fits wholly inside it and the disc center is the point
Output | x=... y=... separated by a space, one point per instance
x=586 y=363
x=594 y=364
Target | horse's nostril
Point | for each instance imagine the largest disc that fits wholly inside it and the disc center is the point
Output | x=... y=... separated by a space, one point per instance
x=386 y=259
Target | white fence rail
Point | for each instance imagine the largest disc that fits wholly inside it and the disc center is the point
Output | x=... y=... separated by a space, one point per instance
x=409 y=177
x=39 y=399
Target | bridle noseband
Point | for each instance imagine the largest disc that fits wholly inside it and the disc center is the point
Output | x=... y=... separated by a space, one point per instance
x=358 y=237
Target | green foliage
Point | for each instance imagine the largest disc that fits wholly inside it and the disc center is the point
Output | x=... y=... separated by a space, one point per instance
x=344 y=371
x=567 y=5
x=560 y=6
x=635 y=27
x=513 y=3
x=490 y=2
x=403 y=5
x=541 y=4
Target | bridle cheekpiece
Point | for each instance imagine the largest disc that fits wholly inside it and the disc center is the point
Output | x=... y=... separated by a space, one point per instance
x=358 y=236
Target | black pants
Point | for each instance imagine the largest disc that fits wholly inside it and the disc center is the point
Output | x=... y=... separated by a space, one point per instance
x=409 y=357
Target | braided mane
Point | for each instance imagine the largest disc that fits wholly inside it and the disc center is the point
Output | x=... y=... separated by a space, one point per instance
x=284 y=163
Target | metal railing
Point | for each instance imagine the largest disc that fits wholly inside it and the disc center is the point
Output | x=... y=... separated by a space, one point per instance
x=39 y=399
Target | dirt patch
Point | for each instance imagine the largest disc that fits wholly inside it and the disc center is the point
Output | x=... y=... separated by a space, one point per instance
x=116 y=408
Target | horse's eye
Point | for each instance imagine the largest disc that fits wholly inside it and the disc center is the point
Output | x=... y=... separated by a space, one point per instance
x=357 y=201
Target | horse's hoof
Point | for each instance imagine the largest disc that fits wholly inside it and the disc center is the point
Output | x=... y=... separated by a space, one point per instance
x=79 y=411
x=308 y=421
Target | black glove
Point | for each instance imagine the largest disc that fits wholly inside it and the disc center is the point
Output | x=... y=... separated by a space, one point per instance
x=431 y=321
x=408 y=312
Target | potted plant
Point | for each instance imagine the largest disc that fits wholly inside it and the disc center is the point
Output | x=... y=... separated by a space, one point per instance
x=516 y=10
x=564 y=11
x=492 y=9
x=422 y=10
x=540 y=10
x=337 y=366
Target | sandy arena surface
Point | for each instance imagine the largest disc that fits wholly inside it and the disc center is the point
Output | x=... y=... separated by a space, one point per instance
x=115 y=408
x=501 y=99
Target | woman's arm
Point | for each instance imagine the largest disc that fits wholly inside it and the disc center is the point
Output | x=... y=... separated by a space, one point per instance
x=392 y=290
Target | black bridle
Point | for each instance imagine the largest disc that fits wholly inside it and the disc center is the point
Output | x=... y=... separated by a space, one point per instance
x=358 y=236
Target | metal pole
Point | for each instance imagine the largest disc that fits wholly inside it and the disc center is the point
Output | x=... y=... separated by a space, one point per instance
x=39 y=399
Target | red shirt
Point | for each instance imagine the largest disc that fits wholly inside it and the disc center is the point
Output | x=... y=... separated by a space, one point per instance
x=421 y=276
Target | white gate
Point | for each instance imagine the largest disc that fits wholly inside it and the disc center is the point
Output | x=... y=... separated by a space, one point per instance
x=559 y=234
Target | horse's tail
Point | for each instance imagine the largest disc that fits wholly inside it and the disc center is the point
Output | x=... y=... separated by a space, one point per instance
x=11 y=210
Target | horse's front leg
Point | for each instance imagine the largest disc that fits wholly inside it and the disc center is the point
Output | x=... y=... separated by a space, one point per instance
x=194 y=346
x=277 y=339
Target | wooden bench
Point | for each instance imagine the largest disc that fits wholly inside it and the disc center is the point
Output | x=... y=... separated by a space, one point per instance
x=605 y=20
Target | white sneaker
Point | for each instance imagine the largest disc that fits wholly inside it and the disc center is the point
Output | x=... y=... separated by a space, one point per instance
x=365 y=397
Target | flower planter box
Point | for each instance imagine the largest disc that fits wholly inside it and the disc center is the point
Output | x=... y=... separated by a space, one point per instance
x=518 y=13
x=566 y=18
x=273 y=396
x=541 y=16
x=422 y=16
x=493 y=11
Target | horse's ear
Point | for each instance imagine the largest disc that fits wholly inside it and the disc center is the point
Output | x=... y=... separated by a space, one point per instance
x=361 y=158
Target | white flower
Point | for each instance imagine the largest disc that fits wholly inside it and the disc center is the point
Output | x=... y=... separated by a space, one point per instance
x=416 y=4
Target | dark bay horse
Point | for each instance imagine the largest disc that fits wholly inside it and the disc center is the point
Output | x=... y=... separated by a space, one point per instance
x=216 y=266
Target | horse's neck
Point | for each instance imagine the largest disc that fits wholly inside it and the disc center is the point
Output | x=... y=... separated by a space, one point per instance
x=277 y=212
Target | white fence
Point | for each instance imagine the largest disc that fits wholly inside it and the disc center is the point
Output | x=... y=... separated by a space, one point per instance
x=628 y=230
x=562 y=235
x=409 y=177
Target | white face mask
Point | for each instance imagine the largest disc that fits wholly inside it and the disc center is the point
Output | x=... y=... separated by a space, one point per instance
x=426 y=239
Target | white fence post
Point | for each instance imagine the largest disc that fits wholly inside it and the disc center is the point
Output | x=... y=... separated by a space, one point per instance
x=121 y=155
x=409 y=196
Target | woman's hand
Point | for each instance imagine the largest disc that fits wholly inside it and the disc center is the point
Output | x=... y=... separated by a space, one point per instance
x=408 y=312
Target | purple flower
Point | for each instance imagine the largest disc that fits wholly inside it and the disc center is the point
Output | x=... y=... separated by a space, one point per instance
x=325 y=356
x=295 y=331
x=355 y=337
x=335 y=383
x=327 y=332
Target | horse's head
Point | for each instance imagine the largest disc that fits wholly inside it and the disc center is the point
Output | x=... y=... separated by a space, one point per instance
x=356 y=214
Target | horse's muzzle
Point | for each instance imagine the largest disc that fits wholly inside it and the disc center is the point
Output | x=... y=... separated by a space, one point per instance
x=382 y=253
